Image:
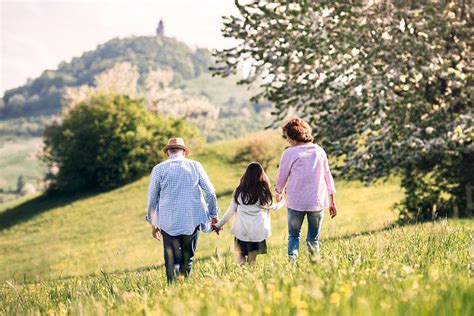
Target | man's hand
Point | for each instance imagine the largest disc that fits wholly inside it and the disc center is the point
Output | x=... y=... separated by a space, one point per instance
x=156 y=233
x=333 y=209
x=217 y=230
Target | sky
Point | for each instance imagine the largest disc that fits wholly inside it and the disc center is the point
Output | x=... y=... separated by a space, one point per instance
x=38 y=34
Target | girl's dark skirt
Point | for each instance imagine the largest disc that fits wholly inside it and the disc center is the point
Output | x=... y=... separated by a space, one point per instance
x=244 y=247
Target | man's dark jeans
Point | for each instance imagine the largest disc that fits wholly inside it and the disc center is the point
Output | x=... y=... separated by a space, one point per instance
x=179 y=252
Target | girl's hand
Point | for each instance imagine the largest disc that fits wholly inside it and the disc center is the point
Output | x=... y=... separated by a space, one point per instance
x=278 y=197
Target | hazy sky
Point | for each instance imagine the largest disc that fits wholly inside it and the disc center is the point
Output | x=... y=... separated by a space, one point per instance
x=39 y=34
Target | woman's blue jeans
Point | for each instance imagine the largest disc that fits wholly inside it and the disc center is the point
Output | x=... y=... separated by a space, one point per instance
x=295 y=221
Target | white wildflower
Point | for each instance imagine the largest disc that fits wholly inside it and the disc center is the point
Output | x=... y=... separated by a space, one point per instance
x=429 y=130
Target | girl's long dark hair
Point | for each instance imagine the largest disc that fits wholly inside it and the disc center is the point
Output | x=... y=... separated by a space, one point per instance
x=254 y=186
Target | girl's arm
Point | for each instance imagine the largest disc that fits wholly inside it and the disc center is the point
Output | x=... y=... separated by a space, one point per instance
x=228 y=214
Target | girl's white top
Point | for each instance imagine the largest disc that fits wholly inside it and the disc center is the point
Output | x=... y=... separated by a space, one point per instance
x=252 y=222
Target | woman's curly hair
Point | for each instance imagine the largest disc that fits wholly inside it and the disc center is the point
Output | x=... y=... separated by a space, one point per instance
x=298 y=130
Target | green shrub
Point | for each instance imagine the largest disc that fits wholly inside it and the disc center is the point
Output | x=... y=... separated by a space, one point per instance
x=265 y=148
x=106 y=141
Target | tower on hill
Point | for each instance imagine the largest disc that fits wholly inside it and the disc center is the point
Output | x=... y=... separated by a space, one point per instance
x=160 y=30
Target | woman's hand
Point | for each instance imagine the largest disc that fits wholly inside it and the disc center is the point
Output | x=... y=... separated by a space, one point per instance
x=332 y=206
x=333 y=209
x=156 y=233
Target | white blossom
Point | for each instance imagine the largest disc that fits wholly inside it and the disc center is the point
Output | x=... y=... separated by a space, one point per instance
x=386 y=36
x=402 y=25
x=355 y=51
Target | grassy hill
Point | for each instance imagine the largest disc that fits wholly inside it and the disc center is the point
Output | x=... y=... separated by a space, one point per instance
x=94 y=254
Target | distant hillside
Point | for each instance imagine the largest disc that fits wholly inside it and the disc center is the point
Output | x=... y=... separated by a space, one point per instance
x=24 y=111
x=42 y=95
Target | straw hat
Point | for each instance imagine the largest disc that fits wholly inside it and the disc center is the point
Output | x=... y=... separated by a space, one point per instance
x=176 y=143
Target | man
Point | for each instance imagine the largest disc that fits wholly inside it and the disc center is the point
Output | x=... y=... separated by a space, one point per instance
x=176 y=207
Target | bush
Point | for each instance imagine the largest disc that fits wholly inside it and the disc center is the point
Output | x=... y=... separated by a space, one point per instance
x=264 y=148
x=106 y=141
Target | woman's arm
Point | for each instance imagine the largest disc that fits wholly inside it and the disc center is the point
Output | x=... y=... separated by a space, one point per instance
x=228 y=214
x=283 y=173
x=328 y=176
x=330 y=187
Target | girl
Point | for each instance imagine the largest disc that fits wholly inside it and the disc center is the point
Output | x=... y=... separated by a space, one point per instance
x=304 y=172
x=251 y=204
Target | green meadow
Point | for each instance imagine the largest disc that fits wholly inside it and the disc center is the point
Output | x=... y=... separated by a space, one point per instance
x=93 y=254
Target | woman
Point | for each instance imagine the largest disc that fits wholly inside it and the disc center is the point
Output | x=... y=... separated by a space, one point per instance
x=304 y=171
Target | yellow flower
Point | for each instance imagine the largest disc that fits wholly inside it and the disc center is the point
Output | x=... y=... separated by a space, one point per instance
x=277 y=295
x=302 y=312
x=295 y=295
x=267 y=310
x=221 y=310
x=247 y=308
x=233 y=312
x=346 y=289
x=335 y=298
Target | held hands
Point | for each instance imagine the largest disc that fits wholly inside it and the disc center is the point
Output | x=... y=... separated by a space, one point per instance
x=156 y=233
x=214 y=221
x=278 y=197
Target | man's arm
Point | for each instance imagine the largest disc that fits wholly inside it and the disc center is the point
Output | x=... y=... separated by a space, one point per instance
x=153 y=198
x=210 y=192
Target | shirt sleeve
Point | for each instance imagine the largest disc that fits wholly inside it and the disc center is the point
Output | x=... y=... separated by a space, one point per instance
x=328 y=176
x=228 y=214
x=153 y=198
x=209 y=191
x=283 y=172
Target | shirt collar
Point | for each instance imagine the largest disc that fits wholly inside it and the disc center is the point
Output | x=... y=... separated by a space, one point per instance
x=175 y=157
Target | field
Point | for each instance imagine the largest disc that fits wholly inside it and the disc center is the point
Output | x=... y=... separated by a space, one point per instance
x=18 y=158
x=93 y=254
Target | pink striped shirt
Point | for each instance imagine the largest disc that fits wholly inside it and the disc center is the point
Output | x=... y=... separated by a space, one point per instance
x=304 y=171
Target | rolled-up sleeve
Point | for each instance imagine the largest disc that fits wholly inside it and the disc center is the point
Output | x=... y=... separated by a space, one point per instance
x=328 y=176
x=153 y=198
x=209 y=191
x=283 y=172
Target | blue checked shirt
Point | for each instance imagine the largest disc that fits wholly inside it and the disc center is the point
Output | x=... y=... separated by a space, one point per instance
x=175 y=201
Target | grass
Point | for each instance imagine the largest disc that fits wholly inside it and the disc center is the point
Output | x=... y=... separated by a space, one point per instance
x=93 y=254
